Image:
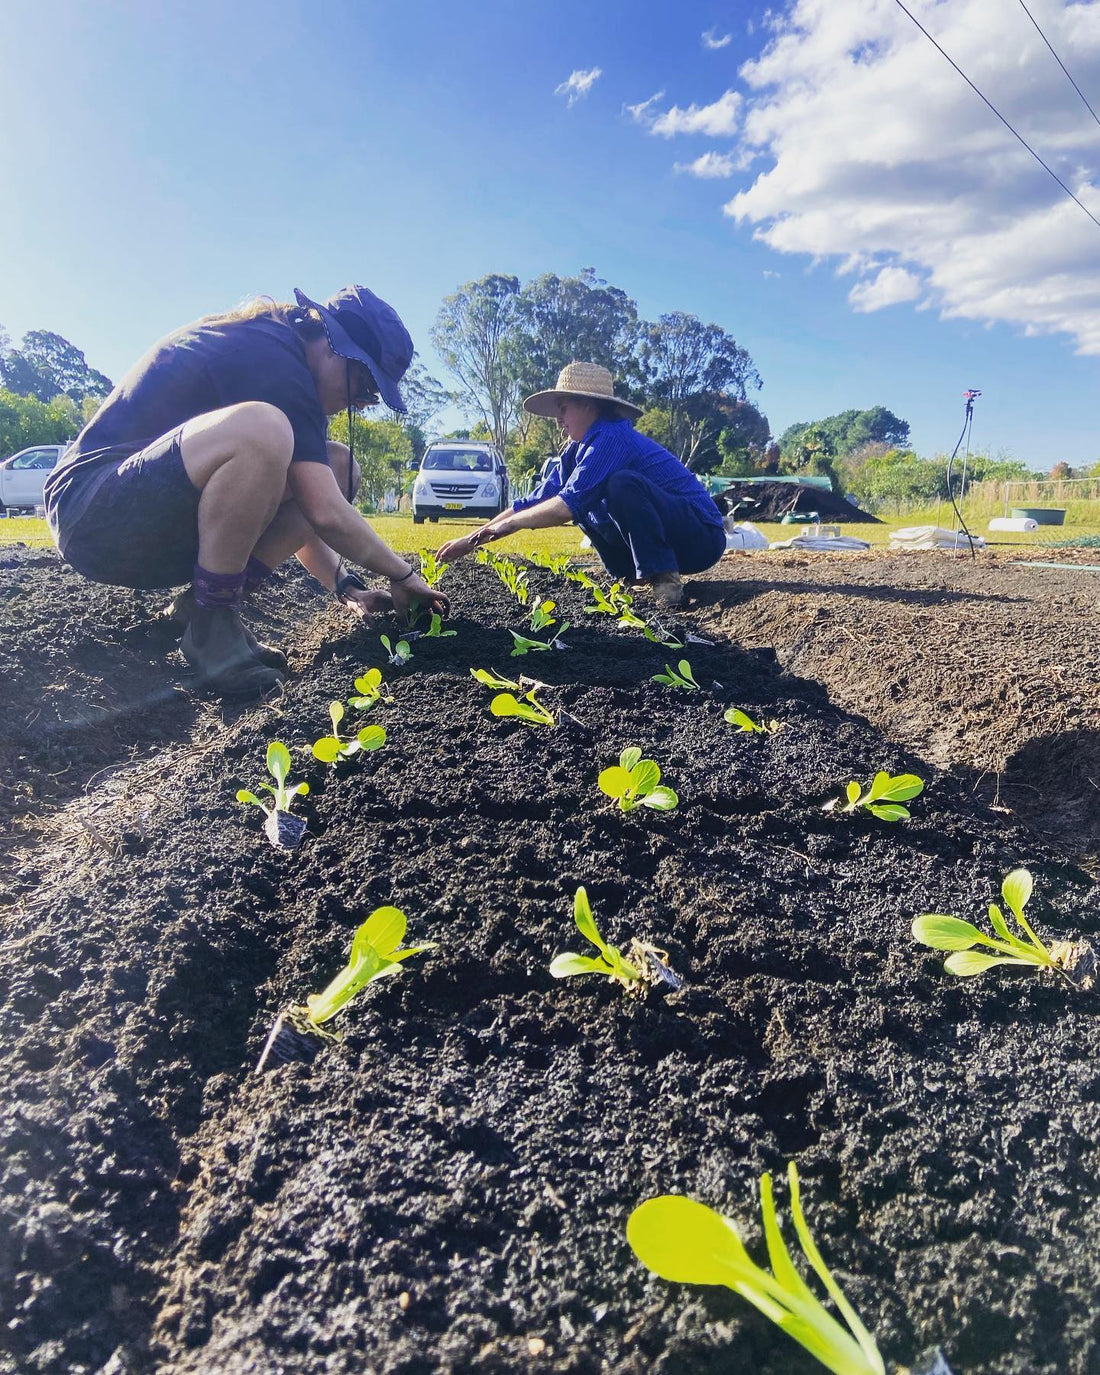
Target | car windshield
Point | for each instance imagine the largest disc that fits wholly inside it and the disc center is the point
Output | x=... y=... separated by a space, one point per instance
x=459 y=460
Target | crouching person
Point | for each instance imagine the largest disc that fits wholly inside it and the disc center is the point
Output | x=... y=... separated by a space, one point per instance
x=209 y=464
x=649 y=518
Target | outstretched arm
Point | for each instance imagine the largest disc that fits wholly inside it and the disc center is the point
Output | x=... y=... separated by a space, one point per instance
x=552 y=511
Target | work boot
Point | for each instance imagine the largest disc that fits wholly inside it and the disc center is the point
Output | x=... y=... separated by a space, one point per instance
x=667 y=589
x=180 y=610
x=214 y=645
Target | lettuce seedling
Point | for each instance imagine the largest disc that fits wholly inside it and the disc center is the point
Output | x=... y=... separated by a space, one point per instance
x=513 y=578
x=883 y=796
x=431 y=570
x=689 y=1243
x=951 y=933
x=633 y=782
x=610 y=962
x=612 y=604
x=660 y=636
x=743 y=721
x=493 y=680
x=330 y=749
x=400 y=653
x=435 y=629
x=368 y=688
x=543 y=615
x=529 y=710
x=375 y=954
x=281 y=828
x=684 y=678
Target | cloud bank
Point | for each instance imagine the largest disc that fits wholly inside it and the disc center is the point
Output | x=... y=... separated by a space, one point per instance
x=875 y=154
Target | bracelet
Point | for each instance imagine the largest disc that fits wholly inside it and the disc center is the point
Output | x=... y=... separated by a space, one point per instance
x=405 y=577
x=345 y=580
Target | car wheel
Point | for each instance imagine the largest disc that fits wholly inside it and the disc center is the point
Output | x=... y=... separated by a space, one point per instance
x=417 y=520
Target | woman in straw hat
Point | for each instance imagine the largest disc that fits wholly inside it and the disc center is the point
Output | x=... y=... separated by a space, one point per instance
x=649 y=518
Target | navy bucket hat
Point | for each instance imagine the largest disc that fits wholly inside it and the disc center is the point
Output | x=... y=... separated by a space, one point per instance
x=361 y=326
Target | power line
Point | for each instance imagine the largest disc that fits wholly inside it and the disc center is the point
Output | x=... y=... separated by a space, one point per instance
x=1011 y=130
x=1061 y=64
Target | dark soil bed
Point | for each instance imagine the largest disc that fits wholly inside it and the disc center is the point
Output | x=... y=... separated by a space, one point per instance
x=447 y=1189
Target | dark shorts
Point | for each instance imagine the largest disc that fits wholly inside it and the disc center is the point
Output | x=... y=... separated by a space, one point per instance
x=140 y=527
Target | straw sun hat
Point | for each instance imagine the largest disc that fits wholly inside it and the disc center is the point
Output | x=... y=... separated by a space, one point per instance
x=588 y=381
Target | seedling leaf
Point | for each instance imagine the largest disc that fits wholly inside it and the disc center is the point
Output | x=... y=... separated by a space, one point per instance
x=661 y=799
x=968 y=962
x=529 y=710
x=634 y=782
x=493 y=680
x=374 y=955
x=945 y=933
x=630 y=757
x=565 y=966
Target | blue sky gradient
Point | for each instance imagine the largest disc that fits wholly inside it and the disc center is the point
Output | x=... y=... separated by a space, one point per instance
x=159 y=163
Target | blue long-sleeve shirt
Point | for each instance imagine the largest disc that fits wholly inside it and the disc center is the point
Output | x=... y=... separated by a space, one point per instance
x=580 y=474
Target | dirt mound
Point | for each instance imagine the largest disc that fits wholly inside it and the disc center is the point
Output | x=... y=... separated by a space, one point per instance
x=770 y=501
x=450 y=1183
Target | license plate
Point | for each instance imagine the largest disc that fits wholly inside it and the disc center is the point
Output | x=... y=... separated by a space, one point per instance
x=452 y=506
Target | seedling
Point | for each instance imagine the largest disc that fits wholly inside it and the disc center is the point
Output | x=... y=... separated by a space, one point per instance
x=368 y=690
x=435 y=630
x=431 y=570
x=529 y=710
x=543 y=615
x=375 y=954
x=633 y=782
x=330 y=749
x=952 y=933
x=689 y=1243
x=743 y=721
x=613 y=603
x=399 y=654
x=493 y=680
x=513 y=578
x=575 y=575
x=883 y=796
x=283 y=830
x=681 y=677
x=645 y=964
x=660 y=636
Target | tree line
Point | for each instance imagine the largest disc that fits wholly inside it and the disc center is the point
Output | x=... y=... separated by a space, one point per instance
x=501 y=340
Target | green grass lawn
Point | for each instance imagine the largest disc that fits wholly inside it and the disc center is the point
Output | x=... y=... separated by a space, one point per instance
x=401 y=534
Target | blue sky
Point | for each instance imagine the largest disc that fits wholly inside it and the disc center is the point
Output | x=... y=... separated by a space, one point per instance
x=822 y=185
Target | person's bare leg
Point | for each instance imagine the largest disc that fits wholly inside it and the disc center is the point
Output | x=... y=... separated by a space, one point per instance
x=238 y=459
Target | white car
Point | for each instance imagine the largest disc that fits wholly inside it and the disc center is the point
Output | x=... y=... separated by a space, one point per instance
x=460 y=477
x=23 y=476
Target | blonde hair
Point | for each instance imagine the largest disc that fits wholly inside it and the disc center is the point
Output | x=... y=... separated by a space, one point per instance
x=302 y=318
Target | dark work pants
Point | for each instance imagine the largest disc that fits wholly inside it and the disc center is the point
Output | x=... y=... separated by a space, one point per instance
x=653 y=532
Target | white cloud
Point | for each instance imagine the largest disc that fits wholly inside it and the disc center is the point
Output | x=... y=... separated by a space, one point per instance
x=709 y=165
x=890 y=287
x=719 y=119
x=712 y=43
x=640 y=112
x=881 y=158
x=578 y=84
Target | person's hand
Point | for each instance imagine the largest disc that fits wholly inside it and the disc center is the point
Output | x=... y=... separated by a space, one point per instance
x=459 y=548
x=412 y=592
x=368 y=601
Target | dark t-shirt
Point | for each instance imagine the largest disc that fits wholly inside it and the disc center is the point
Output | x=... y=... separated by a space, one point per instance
x=197 y=369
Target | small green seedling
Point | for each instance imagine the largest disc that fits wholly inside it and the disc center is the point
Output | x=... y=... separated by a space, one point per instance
x=368 y=690
x=743 y=721
x=681 y=677
x=581 y=579
x=435 y=629
x=330 y=749
x=281 y=828
x=883 y=796
x=494 y=680
x=633 y=782
x=951 y=933
x=375 y=954
x=543 y=615
x=613 y=603
x=530 y=710
x=513 y=578
x=660 y=636
x=689 y=1243
x=431 y=570
x=400 y=653
x=610 y=962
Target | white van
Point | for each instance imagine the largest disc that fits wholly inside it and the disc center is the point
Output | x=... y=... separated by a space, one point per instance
x=460 y=477
x=23 y=476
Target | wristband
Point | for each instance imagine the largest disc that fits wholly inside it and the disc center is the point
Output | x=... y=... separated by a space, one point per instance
x=405 y=577
x=345 y=580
